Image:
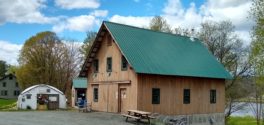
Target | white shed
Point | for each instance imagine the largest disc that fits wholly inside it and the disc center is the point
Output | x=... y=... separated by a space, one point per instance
x=41 y=97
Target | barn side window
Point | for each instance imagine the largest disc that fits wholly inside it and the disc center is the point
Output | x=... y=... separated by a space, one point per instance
x=186 y=96
x=95 y=94
x=28 y=96
x=96 y=65
x=48 y=90
x=155 y=96
x=109 y=64
x=123 y=63
x=213 y=96
x=109 y=40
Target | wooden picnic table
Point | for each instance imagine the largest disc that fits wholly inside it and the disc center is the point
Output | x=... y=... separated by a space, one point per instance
x=138 y=115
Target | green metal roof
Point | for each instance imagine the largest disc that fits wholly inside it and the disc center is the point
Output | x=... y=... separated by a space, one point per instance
x=79 y=83
x=153 y=52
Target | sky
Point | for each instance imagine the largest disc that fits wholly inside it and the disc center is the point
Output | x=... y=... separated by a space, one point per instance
x=71 y=19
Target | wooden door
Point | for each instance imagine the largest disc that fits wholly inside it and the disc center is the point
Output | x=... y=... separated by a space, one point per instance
x=122 y=100
x=53 y=102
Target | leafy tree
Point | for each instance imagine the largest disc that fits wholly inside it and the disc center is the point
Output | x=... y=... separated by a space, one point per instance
x=224 y=44
x=257 y=55
x=12 y=69
x=3 y=68
x=87 y=44
x=158 y=23
x=44 y=59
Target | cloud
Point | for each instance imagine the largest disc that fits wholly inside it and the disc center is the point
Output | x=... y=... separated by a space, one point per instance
x=131 y=20
x=80 y=23
x=77 y=4
x=100 y=13
x=9 y=52
x=23 y=11
x=191 y=17
x=136 y=1
x=173 y=7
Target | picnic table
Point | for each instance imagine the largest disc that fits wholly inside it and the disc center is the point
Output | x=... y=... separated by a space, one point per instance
x=138 y=115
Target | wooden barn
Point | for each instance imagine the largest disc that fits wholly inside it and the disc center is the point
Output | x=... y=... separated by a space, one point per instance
x=135 y=68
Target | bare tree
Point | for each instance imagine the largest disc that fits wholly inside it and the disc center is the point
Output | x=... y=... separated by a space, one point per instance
x=224 y=44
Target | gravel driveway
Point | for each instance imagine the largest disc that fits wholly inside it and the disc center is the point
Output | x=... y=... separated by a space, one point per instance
x=61 y=118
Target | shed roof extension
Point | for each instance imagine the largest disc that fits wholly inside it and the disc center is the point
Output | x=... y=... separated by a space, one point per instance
x=79 y=83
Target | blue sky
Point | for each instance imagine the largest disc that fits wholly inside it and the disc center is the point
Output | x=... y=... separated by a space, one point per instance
x=71 y=19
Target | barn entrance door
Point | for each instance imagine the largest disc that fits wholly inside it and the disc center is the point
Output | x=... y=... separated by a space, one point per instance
x=122 y=98
x=53 y=102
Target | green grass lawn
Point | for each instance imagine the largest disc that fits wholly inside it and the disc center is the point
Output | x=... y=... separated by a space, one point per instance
x=242 y=121
x=7 y=103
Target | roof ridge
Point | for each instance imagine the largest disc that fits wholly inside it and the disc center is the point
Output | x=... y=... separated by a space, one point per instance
x=149 y=29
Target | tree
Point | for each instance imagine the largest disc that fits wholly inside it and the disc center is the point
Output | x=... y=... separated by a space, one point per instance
x=3 y=68
x=12 y=69
x=87 y=44
x=257 y=55
x=224 y=44
x=158 y=23
x=44 y=59
x=185 y=32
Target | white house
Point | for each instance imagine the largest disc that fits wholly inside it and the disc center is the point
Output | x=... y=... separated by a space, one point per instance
x=41 y=97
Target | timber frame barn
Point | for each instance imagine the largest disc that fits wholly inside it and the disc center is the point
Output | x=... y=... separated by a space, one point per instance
x=134 y=68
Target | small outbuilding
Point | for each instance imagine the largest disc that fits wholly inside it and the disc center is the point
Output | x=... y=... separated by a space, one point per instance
x=79 y=90
x=41 y=96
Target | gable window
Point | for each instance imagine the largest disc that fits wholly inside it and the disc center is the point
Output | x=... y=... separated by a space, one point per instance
x=96 y=66
x=28 y=96
x=48 y=90
x=212 y=96
x=155 y=96
x=109 y=40
x=95 y=94
x=4 y=84
x=10 y=77
x=123 y=63
x=109 y=64
x=186 y=96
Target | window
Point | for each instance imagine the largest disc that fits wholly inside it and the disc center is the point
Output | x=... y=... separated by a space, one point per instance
x=4 y=84
x=186 y=96
x=10 y=77
x=48 y=90
x=109 y=40
x=16 y=92
x=96 y=66
x=95 y=94
x=212 y=96
x=123 y=63
x=4 y=93
x=16 y=84
x=28 y=96
x=109 y=64
x=155 y=96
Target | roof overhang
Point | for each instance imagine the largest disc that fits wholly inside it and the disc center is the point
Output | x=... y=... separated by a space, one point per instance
x=92 y=52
